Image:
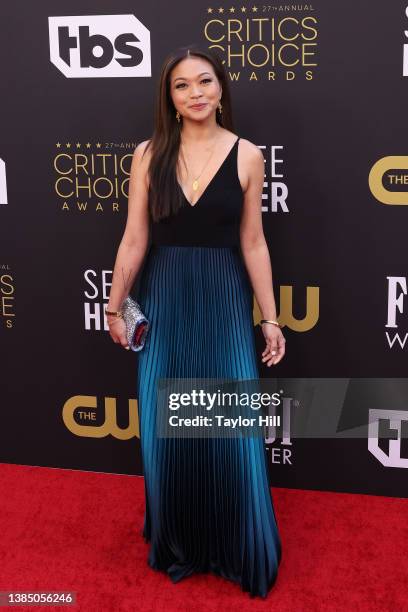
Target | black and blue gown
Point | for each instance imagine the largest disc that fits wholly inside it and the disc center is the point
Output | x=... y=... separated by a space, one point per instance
x=208 y=501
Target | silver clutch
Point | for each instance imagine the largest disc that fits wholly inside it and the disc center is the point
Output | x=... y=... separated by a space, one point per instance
x=136 y=323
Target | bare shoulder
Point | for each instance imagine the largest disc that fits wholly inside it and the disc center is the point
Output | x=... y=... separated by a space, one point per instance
x=249 y=150
x=142 y=152
x=141 y=160
x=250 y=162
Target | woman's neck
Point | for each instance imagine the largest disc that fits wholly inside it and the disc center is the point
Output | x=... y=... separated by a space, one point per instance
x=196 y=133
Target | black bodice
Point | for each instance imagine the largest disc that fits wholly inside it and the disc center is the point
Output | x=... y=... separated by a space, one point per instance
x=214 y=220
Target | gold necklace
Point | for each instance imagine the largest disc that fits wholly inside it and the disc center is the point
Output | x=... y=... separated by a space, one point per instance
x=196 y=184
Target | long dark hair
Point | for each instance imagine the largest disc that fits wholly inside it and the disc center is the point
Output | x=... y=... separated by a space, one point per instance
x=165 y=196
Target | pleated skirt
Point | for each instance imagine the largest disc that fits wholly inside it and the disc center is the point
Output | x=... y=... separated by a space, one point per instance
x=208 y=503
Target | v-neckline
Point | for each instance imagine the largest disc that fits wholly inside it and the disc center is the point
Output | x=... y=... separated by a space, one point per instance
x=211 y=180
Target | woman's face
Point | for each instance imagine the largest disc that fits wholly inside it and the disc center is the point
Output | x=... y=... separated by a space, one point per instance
x=194 y=82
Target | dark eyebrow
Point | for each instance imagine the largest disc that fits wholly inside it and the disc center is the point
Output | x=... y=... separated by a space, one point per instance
x=184 y=79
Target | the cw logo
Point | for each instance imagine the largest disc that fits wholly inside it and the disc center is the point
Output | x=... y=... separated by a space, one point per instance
x=286 y=309
x=375 y=179
x=85 y=405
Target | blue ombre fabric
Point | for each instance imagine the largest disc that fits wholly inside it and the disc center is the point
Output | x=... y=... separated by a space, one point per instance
x=208 y=501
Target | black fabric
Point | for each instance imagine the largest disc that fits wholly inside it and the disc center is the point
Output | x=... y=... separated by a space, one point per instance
x=214 y=220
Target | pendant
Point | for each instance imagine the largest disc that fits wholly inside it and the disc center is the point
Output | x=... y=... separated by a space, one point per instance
x=195 y=185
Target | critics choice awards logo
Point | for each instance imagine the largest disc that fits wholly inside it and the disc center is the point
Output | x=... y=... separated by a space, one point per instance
x=7 y=296
x=92 y=177
x=265 y=42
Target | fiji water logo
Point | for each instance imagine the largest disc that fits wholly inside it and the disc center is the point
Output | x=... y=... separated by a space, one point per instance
x=396 y=303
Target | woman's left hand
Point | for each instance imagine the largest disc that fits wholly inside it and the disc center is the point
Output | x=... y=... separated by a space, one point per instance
x=275 y=344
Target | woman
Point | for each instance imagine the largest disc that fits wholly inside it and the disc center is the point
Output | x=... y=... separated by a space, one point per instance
x=197 y=187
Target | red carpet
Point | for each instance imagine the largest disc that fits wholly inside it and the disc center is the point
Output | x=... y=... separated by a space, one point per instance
x=67 y=530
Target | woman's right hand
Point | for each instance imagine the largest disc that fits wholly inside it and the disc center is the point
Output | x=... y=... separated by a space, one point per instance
x=117 y=331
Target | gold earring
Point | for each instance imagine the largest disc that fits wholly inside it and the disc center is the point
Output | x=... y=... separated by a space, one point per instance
x=220 y=107
x=178 y=116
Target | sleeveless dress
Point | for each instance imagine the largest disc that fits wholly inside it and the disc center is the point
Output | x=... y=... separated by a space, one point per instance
x=208 y=501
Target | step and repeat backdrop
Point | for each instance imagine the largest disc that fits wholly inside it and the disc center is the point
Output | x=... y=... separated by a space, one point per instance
x=322 y=89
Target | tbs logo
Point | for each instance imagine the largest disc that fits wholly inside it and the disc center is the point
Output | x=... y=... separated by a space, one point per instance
x=100 y=46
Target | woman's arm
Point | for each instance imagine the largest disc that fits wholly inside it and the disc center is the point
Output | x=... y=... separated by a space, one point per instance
x=253 y=244
x=256 y=253
x=132 y=248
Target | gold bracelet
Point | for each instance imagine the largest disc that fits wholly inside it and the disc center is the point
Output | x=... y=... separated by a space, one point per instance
x=269 y=321
x=115 y=313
